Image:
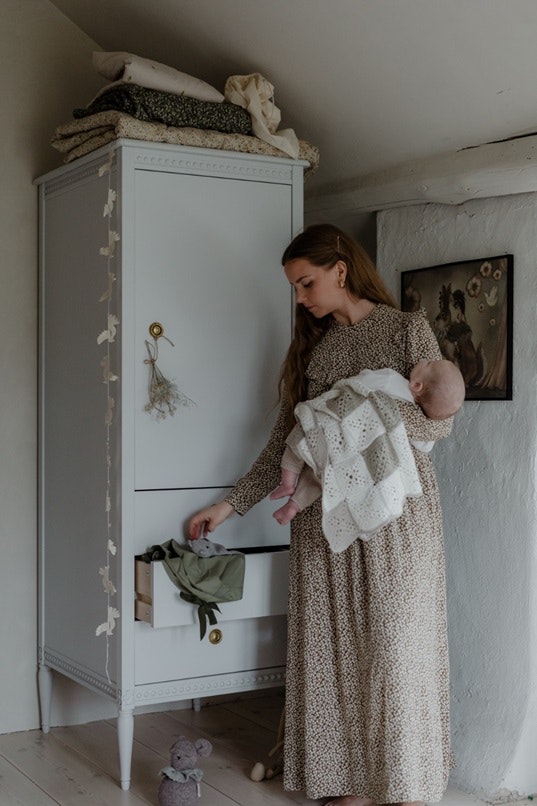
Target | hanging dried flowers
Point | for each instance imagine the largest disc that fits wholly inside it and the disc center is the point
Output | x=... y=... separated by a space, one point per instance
x=164 y=396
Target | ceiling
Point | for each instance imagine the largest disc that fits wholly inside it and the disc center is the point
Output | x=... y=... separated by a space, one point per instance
x=373 y=83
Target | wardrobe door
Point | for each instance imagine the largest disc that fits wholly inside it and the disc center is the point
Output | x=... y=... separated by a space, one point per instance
x=208 y=270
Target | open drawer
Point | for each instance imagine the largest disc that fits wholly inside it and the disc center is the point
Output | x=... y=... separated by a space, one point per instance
x=159 y=603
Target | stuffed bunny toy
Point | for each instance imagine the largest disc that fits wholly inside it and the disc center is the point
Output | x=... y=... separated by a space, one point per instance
x=181 y=781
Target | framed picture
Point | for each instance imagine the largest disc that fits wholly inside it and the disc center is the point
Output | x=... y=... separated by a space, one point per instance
x=470 y=308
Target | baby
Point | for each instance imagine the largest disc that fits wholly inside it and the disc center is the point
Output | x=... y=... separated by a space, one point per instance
x=437 y=386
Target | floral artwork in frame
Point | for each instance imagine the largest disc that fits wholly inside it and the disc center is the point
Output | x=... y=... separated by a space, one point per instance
x=469 y=305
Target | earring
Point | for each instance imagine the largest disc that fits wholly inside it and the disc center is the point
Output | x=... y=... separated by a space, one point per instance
x=342 y=283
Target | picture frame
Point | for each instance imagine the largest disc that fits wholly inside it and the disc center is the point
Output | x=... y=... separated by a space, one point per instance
x=469 y=305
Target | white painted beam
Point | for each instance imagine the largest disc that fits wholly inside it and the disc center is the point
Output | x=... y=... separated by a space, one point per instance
x=495 y=169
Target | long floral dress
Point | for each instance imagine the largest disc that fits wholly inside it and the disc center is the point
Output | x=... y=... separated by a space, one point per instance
x=367 y=704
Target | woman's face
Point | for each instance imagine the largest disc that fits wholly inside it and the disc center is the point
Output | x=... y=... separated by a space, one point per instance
x=317 y=288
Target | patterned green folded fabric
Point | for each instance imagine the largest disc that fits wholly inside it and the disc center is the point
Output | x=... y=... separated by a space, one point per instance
x=167 y=107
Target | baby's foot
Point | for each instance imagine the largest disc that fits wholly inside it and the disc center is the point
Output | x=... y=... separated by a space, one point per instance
x=287 y=484
x=286 y=513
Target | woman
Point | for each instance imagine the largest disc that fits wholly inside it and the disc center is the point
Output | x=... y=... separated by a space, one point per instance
x=367 y=669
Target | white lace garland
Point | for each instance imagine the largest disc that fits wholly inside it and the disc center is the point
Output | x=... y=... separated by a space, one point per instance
x=106 y=338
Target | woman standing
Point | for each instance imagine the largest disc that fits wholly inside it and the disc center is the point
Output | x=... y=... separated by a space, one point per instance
x=366 y=709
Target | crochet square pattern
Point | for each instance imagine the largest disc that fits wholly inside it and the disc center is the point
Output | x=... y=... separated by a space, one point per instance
x=356 y=444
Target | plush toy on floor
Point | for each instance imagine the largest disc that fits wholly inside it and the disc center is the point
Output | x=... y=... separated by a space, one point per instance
x=180 y=785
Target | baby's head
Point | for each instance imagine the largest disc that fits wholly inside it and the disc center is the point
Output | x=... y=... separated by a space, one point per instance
x=438 y=387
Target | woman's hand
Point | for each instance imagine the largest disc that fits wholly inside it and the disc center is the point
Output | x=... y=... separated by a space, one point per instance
x=208 y=519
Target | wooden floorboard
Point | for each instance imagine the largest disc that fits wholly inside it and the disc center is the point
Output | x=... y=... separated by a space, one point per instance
x=79 y=765
x=64 y=775
x=17 y=790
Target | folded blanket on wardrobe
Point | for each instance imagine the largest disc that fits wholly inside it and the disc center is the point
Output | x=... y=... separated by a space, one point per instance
x=84 y=135
x=128 y=67
x=169 y=108
x=356 y=444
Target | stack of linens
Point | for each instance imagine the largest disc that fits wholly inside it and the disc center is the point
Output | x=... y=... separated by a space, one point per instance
x=146 y=100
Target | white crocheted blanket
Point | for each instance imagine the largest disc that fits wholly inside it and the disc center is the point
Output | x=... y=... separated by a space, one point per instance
x=356 y=444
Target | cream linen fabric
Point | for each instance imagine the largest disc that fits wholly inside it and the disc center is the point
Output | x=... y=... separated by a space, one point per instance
x=122 y=67
x=254 y=93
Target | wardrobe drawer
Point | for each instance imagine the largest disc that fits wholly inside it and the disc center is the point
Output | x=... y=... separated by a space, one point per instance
x=176 y=653
x=159 y=603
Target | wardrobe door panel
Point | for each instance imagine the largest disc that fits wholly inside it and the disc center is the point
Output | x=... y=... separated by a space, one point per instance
x=208 y=253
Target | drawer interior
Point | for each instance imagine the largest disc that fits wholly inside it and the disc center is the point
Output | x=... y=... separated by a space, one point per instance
x=159 y=603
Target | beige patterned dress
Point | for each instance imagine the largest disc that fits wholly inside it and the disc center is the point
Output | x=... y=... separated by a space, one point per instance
x=367 y=709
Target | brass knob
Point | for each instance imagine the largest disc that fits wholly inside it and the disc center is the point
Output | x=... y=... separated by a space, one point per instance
x=156 y=330
x=215 y=636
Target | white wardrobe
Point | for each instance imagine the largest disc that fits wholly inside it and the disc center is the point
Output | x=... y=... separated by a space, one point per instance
x=154 y=251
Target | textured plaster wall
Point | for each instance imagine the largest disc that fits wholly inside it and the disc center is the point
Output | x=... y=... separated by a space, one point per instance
x=46 y=71
x=486 y=472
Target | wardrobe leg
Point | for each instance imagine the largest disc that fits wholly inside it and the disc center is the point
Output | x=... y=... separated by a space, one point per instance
x=196 y=704
x=125 y=734
x=44 y=682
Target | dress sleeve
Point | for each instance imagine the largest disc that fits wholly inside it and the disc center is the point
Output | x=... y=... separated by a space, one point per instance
x=420 y=343
x=265 y=473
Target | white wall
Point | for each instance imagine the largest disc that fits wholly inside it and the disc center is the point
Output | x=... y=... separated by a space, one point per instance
x=487 y=477
x=46 y=72
x=361 y=226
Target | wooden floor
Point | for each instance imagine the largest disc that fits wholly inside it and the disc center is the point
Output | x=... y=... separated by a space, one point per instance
x=79 y=765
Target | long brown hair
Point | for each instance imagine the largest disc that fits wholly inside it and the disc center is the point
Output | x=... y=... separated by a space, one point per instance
x=323 y=245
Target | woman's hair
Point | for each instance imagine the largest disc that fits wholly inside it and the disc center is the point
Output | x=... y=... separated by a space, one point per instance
x=323 y=245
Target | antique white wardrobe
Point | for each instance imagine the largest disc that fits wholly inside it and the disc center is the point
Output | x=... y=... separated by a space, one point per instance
x=148 y=247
